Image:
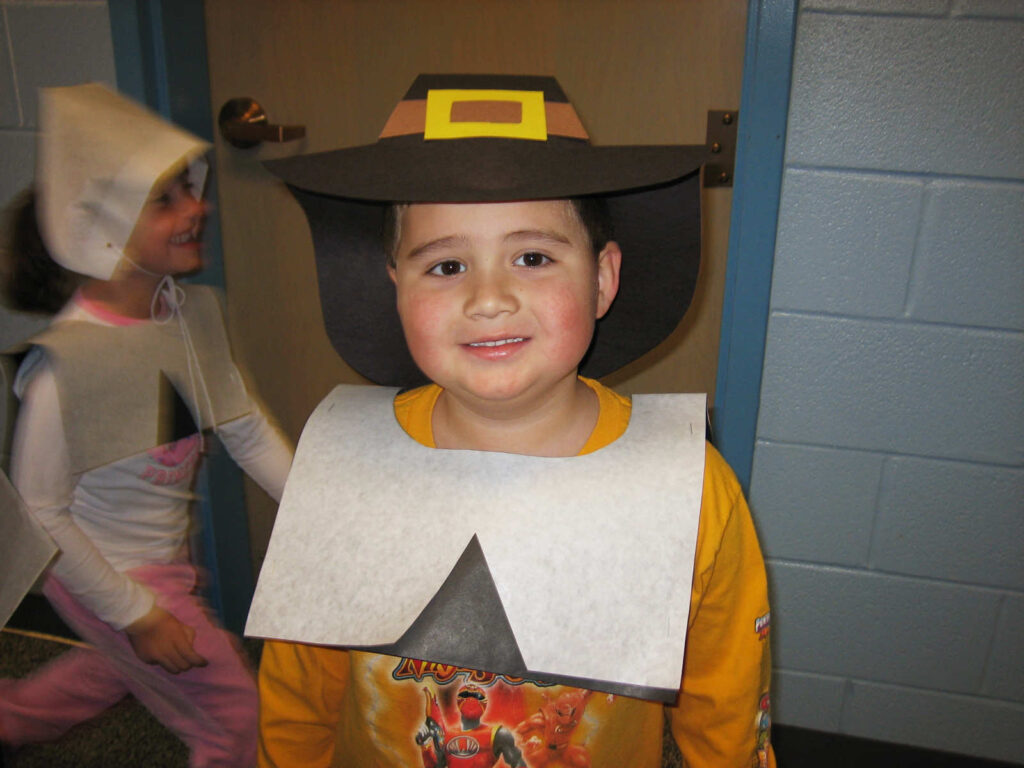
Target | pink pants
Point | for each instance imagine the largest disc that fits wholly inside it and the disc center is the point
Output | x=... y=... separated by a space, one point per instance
x=213 y=709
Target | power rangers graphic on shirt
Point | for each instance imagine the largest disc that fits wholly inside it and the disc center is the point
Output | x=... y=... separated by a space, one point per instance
x=473 y=719
x=471 y=743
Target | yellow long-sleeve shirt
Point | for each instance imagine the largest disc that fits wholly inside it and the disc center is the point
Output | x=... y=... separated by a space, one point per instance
x=323 y=706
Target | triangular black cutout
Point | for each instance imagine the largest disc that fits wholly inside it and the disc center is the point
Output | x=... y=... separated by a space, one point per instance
x=464 y=624
x=174 y=419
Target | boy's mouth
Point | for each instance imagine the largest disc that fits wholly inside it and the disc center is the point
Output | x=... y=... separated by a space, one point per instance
x=497 y=342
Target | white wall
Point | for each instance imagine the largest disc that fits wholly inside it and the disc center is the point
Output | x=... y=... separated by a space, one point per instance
x=887 y=481
x=42 y=43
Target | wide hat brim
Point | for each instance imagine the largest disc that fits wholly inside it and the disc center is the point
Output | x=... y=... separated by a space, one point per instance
x=658 y=230
x=652 y=193
x=484 y=170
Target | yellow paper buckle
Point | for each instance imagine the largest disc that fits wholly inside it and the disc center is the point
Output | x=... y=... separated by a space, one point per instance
x=439 y=125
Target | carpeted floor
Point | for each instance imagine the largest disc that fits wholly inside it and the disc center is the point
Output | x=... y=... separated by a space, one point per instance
x=127 y=736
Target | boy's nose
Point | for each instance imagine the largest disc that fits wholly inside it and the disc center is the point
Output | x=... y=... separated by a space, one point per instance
x=490 y=295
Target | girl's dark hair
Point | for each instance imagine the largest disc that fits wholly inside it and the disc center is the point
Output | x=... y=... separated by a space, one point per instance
x=33 y=282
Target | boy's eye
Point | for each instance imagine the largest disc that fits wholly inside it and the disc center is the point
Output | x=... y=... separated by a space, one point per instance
x=531 y=259
x=447 y=268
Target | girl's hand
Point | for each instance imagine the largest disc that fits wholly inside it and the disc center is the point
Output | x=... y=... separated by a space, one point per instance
x=159 y=638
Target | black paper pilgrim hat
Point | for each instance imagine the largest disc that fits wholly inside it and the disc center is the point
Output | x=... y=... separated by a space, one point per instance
x=495 y=138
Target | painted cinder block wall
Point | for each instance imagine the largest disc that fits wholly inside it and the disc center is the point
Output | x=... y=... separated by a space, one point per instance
x=42 y=43
x=887 y=481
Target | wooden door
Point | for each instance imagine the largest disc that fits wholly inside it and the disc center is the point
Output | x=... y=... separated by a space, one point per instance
x=637 y=71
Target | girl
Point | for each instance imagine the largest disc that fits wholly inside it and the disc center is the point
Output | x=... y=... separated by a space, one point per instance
x=97 y=458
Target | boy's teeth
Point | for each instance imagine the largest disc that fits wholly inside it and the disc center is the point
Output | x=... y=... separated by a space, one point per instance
x=182 y=238
x=498 y=343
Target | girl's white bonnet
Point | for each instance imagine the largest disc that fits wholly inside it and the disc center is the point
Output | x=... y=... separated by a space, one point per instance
x=99 y=157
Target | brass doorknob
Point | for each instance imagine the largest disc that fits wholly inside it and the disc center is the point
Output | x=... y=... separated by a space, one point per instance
x=243 y=123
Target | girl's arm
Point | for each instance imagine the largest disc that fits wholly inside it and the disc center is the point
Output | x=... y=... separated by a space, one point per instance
x=259 y=448
x=40 y=470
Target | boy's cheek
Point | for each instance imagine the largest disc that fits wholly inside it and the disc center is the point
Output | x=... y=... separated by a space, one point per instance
x=570 y=320
x=420 y=308
x=570 y=310
x=422 y=323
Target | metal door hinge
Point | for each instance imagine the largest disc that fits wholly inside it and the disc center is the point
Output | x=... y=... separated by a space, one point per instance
x=721 y=142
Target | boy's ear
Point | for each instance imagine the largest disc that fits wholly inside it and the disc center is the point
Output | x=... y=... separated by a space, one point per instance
x=392 y=274
x=609 y=262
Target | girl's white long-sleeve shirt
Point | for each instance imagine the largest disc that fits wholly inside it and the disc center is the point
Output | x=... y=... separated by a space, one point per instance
x=132 y=512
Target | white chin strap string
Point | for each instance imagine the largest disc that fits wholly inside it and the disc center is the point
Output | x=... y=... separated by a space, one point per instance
x=168 y=299
x=172 y=297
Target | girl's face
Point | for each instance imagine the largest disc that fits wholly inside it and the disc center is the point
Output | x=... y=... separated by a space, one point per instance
x=167 y=238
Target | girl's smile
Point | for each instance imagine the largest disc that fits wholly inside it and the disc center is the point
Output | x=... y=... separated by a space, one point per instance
x=167 y=239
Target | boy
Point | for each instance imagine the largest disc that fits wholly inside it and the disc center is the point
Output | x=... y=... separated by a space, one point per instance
x=500 y=279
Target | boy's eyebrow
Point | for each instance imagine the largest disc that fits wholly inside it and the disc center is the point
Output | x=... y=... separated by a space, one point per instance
x=549 y=235
x=441 y=244
x=460 y=241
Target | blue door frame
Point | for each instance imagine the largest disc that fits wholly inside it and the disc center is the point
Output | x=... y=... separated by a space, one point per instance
x=764 y=109
x=160 y=55
x=160 y=59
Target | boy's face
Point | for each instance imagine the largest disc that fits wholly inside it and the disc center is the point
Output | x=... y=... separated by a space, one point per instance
x=498 y=300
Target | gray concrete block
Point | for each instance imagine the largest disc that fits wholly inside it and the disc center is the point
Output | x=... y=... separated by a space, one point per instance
x=914 y=7
x=995 y=9
x=970 y=264
x=81 y=35
x=908 y=94
x=807 y=701
x=935 y=720
x=17 y=163
x=845 y=242
x=17 y=326
x=894 y=387
x=10 y=116
x=814 y=504
x=881 y=628
x=1004 y=678
x=952 y=521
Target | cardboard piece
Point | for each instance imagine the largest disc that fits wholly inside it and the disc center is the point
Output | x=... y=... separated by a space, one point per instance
x=591 y=557
x=117 y=378
x=25 y=549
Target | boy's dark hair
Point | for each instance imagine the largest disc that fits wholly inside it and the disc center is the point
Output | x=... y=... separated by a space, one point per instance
x=593 y=213
x=33 y=281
